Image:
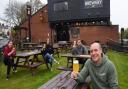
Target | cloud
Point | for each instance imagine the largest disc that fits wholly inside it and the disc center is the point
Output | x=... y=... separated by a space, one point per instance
x=119 y=13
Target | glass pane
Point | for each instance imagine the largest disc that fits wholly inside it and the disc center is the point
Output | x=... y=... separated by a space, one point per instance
x=61 y=6
x=75 y=32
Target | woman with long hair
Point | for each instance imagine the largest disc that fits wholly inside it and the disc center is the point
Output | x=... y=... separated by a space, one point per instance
x=9 y=52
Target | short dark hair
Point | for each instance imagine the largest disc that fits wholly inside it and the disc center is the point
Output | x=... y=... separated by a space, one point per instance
x=98 y=42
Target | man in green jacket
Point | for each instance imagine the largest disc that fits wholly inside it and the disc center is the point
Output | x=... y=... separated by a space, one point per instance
x=100 y=69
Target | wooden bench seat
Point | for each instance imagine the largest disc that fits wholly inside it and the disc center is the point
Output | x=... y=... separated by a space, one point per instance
x=34 y=65
x=21 y=61
x=64 y=68
x=63 y=81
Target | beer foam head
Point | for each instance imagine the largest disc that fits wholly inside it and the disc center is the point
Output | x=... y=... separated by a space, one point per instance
x=75 y=61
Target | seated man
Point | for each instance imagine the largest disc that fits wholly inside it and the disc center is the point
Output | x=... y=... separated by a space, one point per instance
x=80 y=49
x=101 y=70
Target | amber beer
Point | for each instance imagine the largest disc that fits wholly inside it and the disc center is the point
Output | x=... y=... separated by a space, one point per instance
x=75 y=65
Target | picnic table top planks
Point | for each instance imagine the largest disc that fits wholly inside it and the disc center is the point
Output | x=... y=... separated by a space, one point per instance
x=63 y=81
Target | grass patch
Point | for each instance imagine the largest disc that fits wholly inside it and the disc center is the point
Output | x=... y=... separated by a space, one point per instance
x=121 y=62
x=24 y=80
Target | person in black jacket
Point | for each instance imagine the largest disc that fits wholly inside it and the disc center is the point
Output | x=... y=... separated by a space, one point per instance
x=47 y=53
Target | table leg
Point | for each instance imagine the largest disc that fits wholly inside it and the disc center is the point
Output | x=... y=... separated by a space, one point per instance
x=16 y=64
x=69 y=60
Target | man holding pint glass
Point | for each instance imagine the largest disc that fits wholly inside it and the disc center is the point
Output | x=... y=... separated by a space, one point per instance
x=101 y=70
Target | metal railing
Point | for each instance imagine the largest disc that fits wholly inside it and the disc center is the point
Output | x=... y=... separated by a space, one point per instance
x=117 y=46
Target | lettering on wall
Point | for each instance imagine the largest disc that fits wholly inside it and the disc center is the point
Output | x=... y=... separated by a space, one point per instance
x=93 y=3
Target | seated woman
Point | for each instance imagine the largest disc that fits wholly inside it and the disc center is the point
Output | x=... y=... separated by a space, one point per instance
x=47 y=53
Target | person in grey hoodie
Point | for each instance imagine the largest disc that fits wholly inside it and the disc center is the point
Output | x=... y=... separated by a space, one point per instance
x=101 y=70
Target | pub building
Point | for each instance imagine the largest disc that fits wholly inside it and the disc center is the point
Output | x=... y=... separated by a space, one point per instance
x=68 y=20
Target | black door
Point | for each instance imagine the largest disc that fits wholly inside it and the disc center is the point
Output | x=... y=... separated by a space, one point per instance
x=62 y=32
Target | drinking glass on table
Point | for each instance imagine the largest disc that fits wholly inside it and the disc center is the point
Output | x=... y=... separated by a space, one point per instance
x=75 y=66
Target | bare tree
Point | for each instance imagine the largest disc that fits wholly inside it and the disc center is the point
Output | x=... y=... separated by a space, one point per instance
x=36 y=5
x=16 y=11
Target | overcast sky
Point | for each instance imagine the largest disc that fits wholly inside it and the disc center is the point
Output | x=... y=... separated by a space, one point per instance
x=119 y=11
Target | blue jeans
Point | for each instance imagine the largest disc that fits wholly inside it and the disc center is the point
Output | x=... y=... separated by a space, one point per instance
x=48 y=58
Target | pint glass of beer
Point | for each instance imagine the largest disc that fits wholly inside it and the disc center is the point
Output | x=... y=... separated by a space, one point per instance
x=75 y=65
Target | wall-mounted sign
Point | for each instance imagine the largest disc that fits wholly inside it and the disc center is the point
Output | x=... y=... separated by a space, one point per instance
x=93 y=3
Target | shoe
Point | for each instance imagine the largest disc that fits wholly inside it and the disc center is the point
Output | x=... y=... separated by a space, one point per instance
x=7 y=77
x=14 y=71
x=51 y=69
x=56 y=61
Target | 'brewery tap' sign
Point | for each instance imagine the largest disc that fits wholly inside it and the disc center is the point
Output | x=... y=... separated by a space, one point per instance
x=93 y=3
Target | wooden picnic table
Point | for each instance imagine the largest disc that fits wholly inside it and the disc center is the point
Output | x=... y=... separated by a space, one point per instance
x=64 y=45
x=71 y=56
x=39 y=47
x=64 y=81
x=23 y=60
x=56 y=49
x=29 y=45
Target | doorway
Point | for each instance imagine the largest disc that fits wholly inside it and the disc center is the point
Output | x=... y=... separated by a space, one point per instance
x=62 y=33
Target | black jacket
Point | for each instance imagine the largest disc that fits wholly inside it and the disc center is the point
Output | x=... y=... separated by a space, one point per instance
x=49 y=49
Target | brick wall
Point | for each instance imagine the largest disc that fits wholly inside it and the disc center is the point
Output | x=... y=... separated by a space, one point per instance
x=39 y=26
x=99 y=33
